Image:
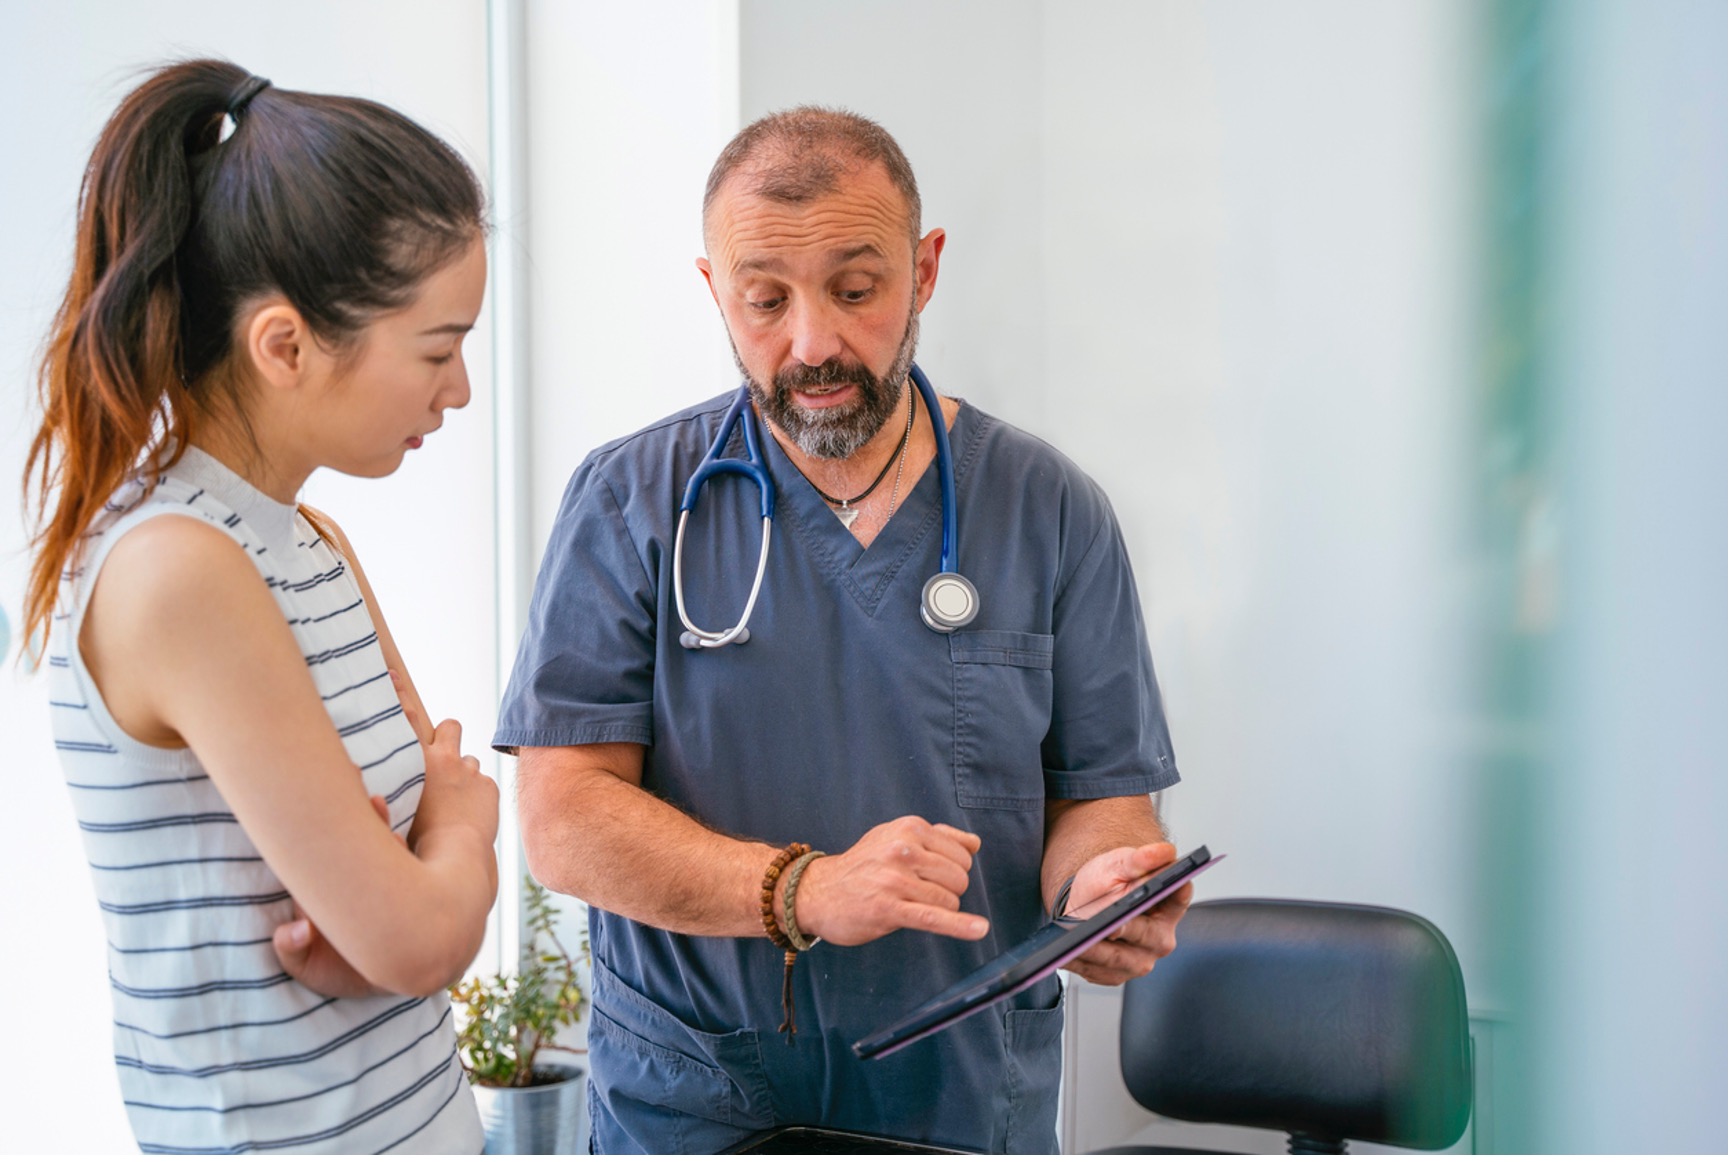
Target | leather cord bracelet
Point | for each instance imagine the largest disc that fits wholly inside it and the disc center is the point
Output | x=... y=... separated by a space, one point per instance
x=767 y=913
x=796 y=937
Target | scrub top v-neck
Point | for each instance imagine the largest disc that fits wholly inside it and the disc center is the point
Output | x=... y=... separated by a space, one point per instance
x=842 y=711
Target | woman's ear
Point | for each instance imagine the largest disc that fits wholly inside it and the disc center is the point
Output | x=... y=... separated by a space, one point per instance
x=279 y=344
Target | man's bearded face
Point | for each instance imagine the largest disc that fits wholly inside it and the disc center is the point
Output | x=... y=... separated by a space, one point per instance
x=835 y=433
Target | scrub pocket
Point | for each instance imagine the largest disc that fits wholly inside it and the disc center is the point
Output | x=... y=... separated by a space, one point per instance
x=668 y=1086
x=1033 y=1060
x=1002 y=698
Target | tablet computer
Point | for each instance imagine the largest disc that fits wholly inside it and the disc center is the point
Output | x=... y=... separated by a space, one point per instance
x=1022 y=965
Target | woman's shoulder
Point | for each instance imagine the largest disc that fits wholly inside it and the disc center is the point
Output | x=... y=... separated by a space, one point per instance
x=174 y=568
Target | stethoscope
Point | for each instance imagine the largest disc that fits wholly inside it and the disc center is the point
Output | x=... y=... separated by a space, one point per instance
x=948 y=600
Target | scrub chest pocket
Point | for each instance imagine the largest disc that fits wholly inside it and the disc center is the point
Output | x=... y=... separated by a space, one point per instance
x=1002 y=695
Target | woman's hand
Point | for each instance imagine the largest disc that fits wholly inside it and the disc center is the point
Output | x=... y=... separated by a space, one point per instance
x=455 y=792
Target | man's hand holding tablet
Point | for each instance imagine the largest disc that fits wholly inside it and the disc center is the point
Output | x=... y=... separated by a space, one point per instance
x=1132 y=950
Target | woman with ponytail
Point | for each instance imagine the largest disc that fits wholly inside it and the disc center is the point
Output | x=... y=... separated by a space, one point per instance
x=291 y=864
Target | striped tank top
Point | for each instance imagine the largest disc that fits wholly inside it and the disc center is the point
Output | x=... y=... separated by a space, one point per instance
x=219 y=1050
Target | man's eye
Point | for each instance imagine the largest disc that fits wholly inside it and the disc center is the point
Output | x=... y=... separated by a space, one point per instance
x=437 y=360
x=855 y=296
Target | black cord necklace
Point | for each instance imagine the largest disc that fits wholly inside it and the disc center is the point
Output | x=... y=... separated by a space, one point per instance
x=845 y=509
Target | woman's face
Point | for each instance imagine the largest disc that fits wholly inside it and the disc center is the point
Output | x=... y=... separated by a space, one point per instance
x=391 y=391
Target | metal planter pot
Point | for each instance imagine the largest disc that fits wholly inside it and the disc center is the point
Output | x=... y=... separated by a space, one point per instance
x=552 y=1118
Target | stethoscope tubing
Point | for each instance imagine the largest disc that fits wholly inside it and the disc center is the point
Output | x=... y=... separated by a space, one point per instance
x=948 y=601
x=947 y=481
x=753 y=467
x=701 y=638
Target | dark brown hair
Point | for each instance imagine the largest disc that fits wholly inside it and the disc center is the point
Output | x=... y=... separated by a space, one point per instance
x=340 y=205
x=800 y=154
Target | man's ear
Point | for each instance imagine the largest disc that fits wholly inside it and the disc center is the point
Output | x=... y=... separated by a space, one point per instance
x=927 y=252
x=704 y=269
x=279 y=344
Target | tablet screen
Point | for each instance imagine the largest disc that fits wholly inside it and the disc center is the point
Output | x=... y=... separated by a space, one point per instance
x=1029 y=961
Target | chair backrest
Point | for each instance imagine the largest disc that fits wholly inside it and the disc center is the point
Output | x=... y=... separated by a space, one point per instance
x=1327 y=1021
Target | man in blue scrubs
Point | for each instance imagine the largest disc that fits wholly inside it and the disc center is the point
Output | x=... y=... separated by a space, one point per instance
x=959 y=781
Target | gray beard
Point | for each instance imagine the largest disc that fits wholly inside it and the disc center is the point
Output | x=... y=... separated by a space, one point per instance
x=839 y=432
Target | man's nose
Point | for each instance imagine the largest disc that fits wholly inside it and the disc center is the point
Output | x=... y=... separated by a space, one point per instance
x=814 y=336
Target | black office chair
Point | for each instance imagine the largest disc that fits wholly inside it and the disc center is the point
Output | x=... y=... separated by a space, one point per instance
x=1325 y=1021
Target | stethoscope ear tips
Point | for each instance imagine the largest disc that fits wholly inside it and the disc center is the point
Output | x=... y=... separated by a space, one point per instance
x=949 y=602
x=690 y=640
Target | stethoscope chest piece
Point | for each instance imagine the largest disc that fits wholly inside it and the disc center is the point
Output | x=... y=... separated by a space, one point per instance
x=949 y=602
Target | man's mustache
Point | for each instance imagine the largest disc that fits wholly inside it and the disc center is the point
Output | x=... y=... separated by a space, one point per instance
x=830 y=373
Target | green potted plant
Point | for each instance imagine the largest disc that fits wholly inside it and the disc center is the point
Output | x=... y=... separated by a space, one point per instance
x=504 y=1022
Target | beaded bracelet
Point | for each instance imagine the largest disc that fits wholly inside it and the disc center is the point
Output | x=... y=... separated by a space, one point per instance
x=767 y=913
x=767 y=892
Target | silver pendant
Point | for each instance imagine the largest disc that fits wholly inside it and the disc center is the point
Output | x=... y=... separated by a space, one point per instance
x=846 y=515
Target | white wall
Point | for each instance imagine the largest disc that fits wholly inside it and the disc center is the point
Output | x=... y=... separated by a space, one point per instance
x=628 y=106
x=62 y=70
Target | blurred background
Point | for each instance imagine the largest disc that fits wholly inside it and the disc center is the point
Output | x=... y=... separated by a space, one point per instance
x=1397 y=332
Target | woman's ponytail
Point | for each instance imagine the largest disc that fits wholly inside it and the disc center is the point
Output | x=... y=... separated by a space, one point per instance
x=111 y=379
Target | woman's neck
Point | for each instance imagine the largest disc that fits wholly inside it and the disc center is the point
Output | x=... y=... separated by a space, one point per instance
x=229 y=442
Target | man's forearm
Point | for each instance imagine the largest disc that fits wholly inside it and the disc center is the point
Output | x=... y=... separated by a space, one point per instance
x=1080 y=829
x=589 y=831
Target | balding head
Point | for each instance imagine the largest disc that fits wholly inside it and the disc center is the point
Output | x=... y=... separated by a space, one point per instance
x=800 y=155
